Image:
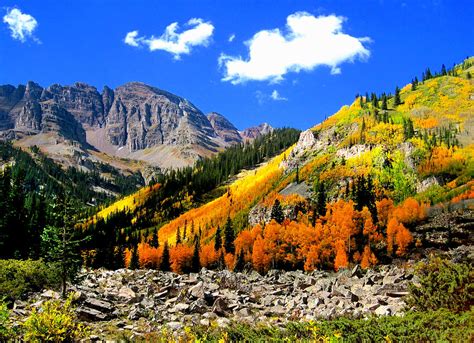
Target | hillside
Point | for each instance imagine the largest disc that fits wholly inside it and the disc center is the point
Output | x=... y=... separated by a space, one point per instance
x=351 y=190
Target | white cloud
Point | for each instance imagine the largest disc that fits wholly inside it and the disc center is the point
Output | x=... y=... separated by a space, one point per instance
x=277 y=97
x=131 y=38
x=21 y=25
x=309 y=42
x=198 y=34
x=264 y=97
x=231 y=38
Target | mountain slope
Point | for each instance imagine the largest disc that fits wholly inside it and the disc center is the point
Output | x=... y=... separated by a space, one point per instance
x=352 y=187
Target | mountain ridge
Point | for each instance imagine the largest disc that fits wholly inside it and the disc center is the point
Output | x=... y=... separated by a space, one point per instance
x=135 y=121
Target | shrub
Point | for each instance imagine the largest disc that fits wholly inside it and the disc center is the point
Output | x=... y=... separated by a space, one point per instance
x=441 y=325
x=6 y=333
x=443 y=284
x=55 y=322
x=19 y=277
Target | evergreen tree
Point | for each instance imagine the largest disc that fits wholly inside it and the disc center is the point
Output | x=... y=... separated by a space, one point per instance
x=195 y=263
x=468 y=75
x=229 y=237
x=134 y=259
x=178 y=236
x=362 y=132
x=154 y=239
x=413 y=85
x=119 y=257
x=428 y=74
x=5 y=205
x=165 y=259
x=277 y=212
x=218 y=239
x=384 y=102
x=184 y=230
x=396 y=98
x=240 y=263
x=375 y=101
x=59 y=241
x=320 y=198
x=221 y=261
x=297 y=177
x=443 y=70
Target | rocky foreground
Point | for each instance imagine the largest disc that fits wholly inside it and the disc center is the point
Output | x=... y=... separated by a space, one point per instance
x=141 y=301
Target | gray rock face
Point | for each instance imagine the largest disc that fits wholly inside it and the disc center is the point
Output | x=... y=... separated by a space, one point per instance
x=84 y=102
x=142 y=116
x=251 y=133
x=224 y=128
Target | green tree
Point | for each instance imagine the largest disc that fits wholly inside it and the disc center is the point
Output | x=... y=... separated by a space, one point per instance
x=396 y=98
x=443 y=70
x=218 y=239
x=165 y=259
x=195 y=262
x=134 y=259
x=277 y=212
x=320 y=198
x=240 y=263
x=60 y=243
x=154 y=239
x=384 y=102
x=178 y=236
x=229 y=237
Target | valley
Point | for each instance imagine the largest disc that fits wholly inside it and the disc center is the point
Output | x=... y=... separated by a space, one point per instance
x=168 y=224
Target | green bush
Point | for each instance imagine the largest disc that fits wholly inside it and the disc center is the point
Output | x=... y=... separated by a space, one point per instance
x=6 y=332
x=18 y=277
x=55 y=322
x=443 y=284
x=441 y=325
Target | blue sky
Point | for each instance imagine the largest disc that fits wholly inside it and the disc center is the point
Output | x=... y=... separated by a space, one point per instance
x=378 y=45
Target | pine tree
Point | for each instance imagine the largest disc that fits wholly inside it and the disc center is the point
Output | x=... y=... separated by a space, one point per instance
x=195 y=262
x=277 y=212
x=428 y=74
x=154 y=239
x=297 y=178
x=229 y=237
x=384 y=102
x=468 y=75
x=396 y=98
x=134 y=259
x=362 y=132
x=218 y=239
x=178 y=236
x=320 y=198
x=60 y=243
x=443 y=70
x=165 y=259
x=413 y=85
x=240 y=263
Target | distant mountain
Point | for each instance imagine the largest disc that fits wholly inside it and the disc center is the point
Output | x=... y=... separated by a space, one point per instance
x=256 y=131
x=134 y=121
x=224 y=128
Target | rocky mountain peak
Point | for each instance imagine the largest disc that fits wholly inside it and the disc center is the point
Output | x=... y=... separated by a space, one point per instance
x=254 y=132
x=224 y=128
